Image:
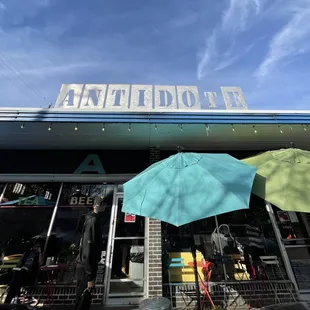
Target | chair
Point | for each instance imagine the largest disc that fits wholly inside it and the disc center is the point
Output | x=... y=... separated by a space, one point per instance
x=204 y=284
x=272 y=262
x=177 y=262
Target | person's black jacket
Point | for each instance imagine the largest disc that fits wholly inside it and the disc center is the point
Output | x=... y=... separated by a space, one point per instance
x=90 y=245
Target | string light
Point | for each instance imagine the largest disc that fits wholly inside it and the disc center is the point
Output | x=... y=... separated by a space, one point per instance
x=207 y=130
x=233 y=128
x=76 y=127
x=281 y=131
x=305 y=127
x=22 y=126
x=50 y=127
x=255 y=130
x=129 y=127
x=103 y=127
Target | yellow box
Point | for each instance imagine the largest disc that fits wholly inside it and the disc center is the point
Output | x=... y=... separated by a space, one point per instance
x=186 y=274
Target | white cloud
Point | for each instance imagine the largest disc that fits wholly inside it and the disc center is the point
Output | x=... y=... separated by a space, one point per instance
x=235 y=19
x=2 y=6
x=290 y=41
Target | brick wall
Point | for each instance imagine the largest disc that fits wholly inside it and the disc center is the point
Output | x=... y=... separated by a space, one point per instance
x=155 y=245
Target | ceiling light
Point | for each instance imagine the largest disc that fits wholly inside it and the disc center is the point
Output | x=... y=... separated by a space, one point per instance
x=207 y=130
x=281 y=131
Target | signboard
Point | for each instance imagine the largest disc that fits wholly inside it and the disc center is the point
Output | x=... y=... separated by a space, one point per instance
x=283 y=216
x=146 y=98
x=129 y=218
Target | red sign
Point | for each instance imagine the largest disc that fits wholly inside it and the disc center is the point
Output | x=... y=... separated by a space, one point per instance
x=283 y=217
x=130 y=218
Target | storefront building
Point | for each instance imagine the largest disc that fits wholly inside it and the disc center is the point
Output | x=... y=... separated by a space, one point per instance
x=54 y=162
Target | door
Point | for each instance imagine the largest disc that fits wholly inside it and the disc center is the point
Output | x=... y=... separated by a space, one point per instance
x=294 y=230
x=127 y=258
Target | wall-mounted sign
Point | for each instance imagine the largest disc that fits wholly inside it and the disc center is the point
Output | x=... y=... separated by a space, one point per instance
x=129 y=218
x=91 y=164
x=283 y=216
x=81 y=201
x=146 y=98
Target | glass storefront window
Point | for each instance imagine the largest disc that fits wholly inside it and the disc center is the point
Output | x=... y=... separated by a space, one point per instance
x=234 y=248
x=2 y=186
x=295 y=232
x=25 y=212
x=76 y=201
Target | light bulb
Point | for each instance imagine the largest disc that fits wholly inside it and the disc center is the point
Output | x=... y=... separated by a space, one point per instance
x=281 y=131
x=76 y=127
x=156 y=127
x=49 y=127
x=233 y=128
x=207 y=130
x=103 y=127
x=129 y=127
x=255 y=130
x=22 y=126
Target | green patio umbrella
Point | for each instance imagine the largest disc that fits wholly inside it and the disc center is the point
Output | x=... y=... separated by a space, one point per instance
x=283 y=178
x=187 y=187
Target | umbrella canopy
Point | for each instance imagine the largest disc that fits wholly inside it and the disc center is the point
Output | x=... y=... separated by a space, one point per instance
x=187 y=187
x=283 y=178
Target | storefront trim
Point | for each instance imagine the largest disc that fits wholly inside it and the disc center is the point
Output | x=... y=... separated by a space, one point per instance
x=184 y=117
x=66 y=178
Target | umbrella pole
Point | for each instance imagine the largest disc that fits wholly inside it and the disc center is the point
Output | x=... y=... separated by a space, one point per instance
x=193 y=249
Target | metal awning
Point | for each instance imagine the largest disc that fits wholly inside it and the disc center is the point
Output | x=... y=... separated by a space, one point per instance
x=201 y=130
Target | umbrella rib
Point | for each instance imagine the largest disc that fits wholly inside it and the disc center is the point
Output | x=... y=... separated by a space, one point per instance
x=215 y=177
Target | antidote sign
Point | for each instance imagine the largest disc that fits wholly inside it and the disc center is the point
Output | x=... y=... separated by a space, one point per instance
x=146 y=98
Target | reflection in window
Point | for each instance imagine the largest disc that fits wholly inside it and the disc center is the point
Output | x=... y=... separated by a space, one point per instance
x=76 y=201
x=25 y=212
x=235 y=249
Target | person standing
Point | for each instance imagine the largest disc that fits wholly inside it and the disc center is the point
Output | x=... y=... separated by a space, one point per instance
x=26 y=271
x=90 y=249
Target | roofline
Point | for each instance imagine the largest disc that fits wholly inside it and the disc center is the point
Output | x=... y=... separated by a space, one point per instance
x=180 y=117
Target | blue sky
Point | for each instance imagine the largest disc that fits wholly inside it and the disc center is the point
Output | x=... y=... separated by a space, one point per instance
x=260 y=45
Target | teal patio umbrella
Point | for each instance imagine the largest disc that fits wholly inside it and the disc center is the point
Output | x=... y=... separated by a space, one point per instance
x=188 y=187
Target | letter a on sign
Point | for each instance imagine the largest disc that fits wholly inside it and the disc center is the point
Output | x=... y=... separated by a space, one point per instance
x=91 y=163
